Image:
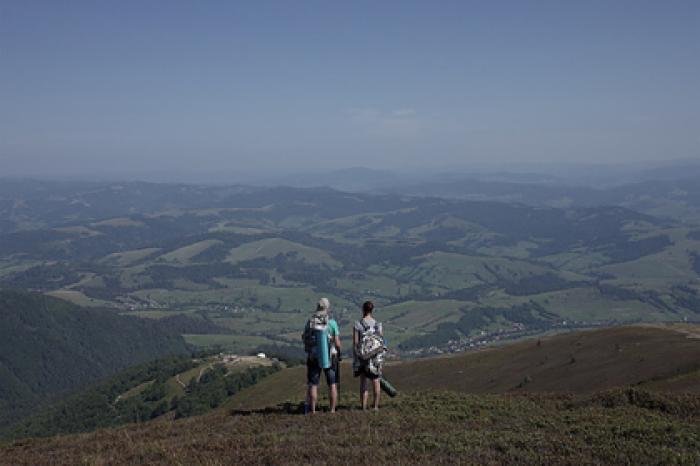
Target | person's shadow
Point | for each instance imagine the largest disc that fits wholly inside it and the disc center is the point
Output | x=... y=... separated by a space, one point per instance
x=287 y=407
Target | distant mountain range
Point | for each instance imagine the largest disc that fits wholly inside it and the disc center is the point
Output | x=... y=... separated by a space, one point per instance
x=665 y=189
x=562 y=175
x=360 y=179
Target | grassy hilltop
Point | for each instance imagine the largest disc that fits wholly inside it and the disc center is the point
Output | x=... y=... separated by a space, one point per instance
x=625 y=398
x=618 y=427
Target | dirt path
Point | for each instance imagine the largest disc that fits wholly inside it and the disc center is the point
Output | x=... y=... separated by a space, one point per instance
x=689 y=330
x=202 y=370
x=177 y=379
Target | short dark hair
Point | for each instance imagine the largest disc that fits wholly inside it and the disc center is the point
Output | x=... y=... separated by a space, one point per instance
x=367 y=308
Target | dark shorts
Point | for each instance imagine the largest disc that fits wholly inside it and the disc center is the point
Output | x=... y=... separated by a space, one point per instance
x=313 y=373
x=364 y=370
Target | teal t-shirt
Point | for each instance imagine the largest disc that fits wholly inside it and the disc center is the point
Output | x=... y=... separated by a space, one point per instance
x=333 y=329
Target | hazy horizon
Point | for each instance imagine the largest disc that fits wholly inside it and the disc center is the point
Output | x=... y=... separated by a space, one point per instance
x=131 y=89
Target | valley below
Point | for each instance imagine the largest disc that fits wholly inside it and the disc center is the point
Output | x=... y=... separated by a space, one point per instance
x=240 y=268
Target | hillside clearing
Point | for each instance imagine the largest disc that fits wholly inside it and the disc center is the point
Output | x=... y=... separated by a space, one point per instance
x=184 y=254
x=272 y=247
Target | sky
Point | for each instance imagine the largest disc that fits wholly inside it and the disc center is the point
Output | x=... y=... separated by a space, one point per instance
x=273 y=87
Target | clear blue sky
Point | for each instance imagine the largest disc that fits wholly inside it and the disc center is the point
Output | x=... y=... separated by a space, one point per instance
x=131 y=86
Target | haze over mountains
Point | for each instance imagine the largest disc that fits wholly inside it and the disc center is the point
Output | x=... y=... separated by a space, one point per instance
x=394 y=176
x=581 y=174
x=662 y=188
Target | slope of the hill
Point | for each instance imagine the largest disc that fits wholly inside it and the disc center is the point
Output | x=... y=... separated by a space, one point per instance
x=433 y=421
x=618 y=427
x=49 y=346
x=660 y=358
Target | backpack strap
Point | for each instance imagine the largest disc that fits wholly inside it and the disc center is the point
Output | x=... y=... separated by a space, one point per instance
x=365 y=325
x=308 y=336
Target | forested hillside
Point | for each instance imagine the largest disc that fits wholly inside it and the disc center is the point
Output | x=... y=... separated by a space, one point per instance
x=49 y=347
x=177 y=386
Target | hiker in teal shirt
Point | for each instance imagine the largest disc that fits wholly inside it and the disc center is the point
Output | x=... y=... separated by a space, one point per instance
x=320 y=320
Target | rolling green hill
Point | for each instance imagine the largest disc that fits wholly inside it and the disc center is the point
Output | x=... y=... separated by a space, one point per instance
x=273 y=247
x=49 y=347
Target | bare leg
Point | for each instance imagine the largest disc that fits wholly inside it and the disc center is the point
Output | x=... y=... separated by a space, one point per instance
x=311 y=397
x=377 y=390
x=363 y=391
x=333 y=389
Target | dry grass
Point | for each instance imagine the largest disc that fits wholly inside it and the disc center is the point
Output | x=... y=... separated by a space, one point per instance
x=580 y=362
x=616 y=427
